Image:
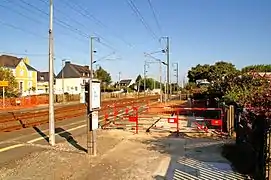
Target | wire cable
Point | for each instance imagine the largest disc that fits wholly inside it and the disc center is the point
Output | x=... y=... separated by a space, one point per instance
x=85 y=13
x=155 y=16
x=141 y=18
x=21 y=29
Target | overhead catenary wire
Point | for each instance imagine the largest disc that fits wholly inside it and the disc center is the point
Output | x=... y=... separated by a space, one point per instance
x=155 y=16
x=141 y=18
x=22 y=29
x=59 y=22
x=23 y=54
x=86 y=14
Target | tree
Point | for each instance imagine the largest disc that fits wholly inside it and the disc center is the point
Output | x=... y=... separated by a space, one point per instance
x=239 y=87
x=211 y=72
x=198 y=72
x=257 y=68
x=103 y=76
x=7 y=75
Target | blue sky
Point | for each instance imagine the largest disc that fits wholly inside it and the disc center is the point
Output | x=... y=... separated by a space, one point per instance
x=200 y=31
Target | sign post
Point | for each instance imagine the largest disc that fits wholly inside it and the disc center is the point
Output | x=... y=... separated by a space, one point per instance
x=3 y=84
x=94 y=105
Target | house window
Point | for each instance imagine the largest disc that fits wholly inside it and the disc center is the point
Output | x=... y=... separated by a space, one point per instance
x=30 y=74
x=21 y=72
x=29 y=85
x=21 y=86
x=76 y=88
x=42 y=78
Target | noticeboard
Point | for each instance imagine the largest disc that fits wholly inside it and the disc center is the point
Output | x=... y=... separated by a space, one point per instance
x=96 y=95
x=3 y=83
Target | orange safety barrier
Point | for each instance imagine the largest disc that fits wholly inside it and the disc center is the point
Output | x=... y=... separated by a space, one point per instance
x=23 y=102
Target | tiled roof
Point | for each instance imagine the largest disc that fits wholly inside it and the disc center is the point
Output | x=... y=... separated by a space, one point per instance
x=9 y=61
x=45 y=76
x=125 y=81
x=261 y=74
x=80 y=69
x=73 y=71
x=12 y=62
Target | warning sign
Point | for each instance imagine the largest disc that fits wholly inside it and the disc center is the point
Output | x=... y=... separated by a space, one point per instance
x=3 y=83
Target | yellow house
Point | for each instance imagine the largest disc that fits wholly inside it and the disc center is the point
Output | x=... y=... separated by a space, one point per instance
x=25 y=74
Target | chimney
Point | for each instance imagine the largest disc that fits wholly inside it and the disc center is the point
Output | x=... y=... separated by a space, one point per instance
x=86 y=66
x=26 y=60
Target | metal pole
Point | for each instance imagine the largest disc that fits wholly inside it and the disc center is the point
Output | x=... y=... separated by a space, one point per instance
x=177 y=77
x=3 y=96
x=91 y=134
x=167 y=67
x=160 y=79
x=51 y=80
x=63 y=96
x=119 y=82
x=145 y=64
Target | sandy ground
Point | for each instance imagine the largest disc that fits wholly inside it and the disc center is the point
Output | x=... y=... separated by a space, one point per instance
x=122 y=155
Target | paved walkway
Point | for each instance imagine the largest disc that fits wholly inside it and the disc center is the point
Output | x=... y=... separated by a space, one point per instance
x=196 y=159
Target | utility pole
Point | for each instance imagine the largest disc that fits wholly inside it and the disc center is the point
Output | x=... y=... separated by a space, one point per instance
x=119 y=82
x=145 y=74
x=167 y=67
x=160 y=79
x=119 y=79
x=62 y=74
x=176 y=74
x=91 y=134
x=167 y=77
x=51 y=80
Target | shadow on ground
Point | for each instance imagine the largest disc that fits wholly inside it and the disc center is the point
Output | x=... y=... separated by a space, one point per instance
x=68 y=136
x=64 y=134
x=190 y=157
x=46 y=138
x=242 y=157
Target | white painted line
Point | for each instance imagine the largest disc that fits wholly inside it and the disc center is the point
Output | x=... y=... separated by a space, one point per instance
x=72 y=129
x=11 y=147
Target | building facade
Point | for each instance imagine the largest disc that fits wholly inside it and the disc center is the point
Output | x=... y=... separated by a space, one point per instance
x=25 y=75
x=71 y=79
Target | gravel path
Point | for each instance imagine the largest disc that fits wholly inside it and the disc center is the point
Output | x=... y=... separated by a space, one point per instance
x=121 y=156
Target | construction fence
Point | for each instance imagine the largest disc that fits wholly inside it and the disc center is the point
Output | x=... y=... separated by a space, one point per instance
x=35 y=100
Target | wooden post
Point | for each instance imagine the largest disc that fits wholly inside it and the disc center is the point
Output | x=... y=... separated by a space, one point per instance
x=230 y=119
x=3 y=97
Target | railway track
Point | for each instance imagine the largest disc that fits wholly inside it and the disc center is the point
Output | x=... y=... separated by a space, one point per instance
x=11 y=121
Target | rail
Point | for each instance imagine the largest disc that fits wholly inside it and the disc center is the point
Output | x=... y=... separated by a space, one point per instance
x=17 y=120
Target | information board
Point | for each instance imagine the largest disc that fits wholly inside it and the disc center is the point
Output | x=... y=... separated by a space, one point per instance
x=96 y=95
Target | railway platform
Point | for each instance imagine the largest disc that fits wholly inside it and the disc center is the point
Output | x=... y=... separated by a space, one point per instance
x=122 y=154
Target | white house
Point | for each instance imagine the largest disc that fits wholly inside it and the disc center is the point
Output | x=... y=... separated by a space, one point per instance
x=71 y=79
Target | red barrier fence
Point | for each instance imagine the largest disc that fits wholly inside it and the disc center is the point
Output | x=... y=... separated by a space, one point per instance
x=203 y=118
x=125 y=113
